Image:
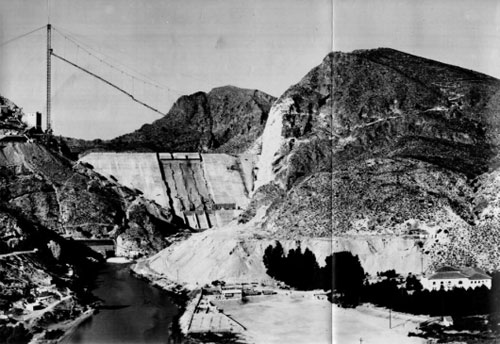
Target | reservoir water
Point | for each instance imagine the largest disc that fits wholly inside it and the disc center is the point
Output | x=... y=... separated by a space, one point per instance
x=133 y=311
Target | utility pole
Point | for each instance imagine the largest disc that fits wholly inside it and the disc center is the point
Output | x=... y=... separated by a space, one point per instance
x=49 y=69
x=390 y=316
x=49 y=75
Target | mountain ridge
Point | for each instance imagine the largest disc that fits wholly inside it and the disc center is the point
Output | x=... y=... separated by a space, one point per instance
x=404 y=140
x=227 y=119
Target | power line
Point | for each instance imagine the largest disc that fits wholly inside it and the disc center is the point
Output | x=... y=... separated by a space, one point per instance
x=93 y=52
x=109 y=83
x=21 y=36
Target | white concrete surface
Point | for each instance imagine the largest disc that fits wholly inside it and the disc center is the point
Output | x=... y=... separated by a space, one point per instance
x=226 y=179
x=136 y=170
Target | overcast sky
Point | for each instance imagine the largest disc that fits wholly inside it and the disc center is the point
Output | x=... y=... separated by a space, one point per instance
x=185 y=46
x=460 y=32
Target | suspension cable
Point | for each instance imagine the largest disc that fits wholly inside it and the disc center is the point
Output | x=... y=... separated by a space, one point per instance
x=21 y=36
x=139 y=76
x=108 y=83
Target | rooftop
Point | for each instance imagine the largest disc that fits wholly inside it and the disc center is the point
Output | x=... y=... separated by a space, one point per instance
x=450 y=272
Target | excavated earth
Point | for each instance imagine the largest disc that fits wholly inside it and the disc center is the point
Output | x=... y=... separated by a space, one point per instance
x=387 y=155
x=410 y=144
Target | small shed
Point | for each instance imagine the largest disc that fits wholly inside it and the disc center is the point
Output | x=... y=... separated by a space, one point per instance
x=232 y=294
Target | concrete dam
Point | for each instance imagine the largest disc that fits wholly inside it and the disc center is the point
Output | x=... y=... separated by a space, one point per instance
x=206 y=190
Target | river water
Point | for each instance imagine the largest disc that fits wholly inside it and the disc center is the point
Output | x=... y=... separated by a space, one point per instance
x=133 y=311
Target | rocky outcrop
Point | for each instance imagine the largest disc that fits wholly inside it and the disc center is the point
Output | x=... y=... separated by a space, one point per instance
x=71 y=199
x=406 y=143
x=384 y=154
x=225 y=120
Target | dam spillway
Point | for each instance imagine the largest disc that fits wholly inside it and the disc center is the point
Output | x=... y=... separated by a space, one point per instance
x=206 y=190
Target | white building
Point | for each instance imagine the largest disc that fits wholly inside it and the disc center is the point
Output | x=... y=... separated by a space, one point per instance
x=33 y=120
x=232 y=294
x=448 y=277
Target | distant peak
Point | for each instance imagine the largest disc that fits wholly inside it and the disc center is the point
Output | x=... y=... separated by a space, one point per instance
x=230 y=88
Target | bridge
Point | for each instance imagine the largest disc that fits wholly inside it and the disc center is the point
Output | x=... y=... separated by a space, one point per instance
x=105 y=247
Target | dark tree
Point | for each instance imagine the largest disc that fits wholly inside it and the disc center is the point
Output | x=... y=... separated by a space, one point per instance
x=413 y=283
x=348 y=277
x=273 y=260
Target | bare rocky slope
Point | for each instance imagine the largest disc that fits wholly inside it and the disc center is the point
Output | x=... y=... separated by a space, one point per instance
x=407 y=142
x=225 y=120
x=387 y=155
x=71 y=199
x=44 y=199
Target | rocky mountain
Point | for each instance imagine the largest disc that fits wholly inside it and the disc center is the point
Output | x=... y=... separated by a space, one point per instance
x=46 y=202
x=225 y=120
x=390 y=156
x=380 y=142
x=71 y=199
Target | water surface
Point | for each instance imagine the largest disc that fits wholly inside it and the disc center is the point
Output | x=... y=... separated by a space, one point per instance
x=133 y=311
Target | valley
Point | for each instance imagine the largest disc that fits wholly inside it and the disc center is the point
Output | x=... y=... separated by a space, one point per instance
x=386 y=156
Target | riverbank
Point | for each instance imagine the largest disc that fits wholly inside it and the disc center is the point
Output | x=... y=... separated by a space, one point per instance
x=131 y=310
x=288 y=316
x=179 y=294
x=186 y=298
x=63 y=330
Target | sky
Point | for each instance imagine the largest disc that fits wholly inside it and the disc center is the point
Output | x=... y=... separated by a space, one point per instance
x=459 y=32
x=180 y=46
x=162 y=49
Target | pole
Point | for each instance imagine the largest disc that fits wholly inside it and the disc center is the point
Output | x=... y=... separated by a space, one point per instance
x=49 y=75
x=390 y=315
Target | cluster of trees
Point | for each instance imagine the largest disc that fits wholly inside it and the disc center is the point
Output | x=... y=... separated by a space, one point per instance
x=297 y=269
x=344 y=275
x=409 y=297
x=342 y=271
x=348 y=278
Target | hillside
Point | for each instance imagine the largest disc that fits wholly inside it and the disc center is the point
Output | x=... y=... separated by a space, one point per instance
x=405 y=140
x=44 y=188
x=71 y=199
x=387 y=155
x=47 y=201
x=225 y=120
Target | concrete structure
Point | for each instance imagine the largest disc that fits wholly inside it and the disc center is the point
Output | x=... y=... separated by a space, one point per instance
x=448 y=277
x=206 y=190
x=105 y=247
x=136 y=170
x=33 y=120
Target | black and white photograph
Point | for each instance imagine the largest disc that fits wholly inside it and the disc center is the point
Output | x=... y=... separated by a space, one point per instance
x=251 y=172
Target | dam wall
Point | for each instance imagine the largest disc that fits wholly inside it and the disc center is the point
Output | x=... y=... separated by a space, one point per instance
x=206 y=190
x=134 y=170
x=229 y=178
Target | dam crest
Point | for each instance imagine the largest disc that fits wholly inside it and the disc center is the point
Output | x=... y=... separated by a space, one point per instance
x=205 y=190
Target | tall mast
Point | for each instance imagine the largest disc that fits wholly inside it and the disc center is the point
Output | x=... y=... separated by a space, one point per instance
x=49 y=75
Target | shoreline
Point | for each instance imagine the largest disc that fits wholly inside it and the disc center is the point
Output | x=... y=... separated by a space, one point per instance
x=67 y=326
x=73 y=325
x=179 y=295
